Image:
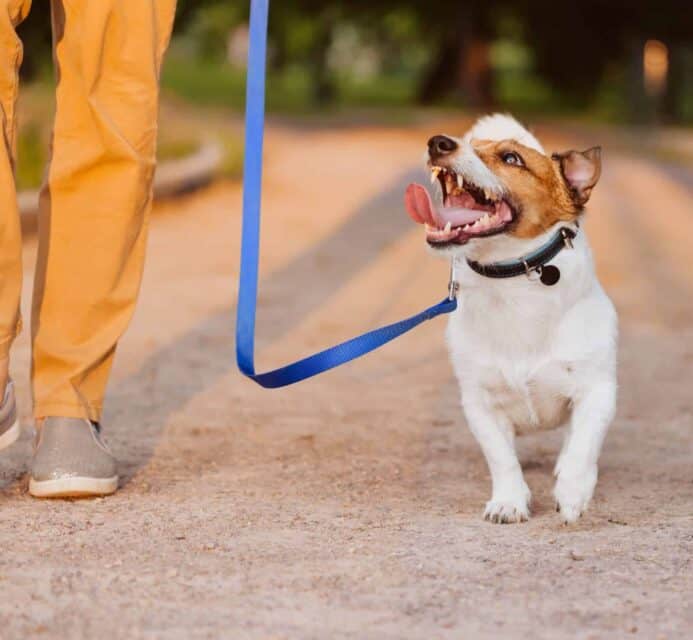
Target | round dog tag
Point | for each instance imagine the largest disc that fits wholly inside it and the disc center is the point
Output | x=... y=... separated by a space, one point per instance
x=550 y=275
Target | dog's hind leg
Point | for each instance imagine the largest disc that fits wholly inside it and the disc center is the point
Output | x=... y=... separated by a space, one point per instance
x=511 y=496
x=576 y=469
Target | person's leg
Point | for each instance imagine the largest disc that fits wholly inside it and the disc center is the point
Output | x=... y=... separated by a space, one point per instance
x=12 y=12
x=95 y=205
x=92 y=228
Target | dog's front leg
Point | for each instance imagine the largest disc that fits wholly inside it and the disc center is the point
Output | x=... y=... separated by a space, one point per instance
x=576 y=469
x=510 y=498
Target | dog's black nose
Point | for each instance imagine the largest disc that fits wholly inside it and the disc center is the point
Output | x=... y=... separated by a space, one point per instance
x=439 y=146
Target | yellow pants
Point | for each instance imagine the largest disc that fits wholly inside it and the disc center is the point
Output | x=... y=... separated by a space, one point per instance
x=96 y=199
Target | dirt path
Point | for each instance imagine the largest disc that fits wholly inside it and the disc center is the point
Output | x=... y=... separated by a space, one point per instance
x=349 y=507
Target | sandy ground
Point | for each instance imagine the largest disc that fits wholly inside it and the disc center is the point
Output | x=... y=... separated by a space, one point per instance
x=350 y=506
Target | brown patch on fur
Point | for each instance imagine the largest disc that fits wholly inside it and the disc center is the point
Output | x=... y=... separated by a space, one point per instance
x=538 y=189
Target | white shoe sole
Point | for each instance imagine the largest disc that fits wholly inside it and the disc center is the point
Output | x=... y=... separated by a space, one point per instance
x=10 y=436
x=73 y=487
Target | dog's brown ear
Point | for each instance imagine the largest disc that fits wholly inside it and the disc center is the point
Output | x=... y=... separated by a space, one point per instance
x=581 y=171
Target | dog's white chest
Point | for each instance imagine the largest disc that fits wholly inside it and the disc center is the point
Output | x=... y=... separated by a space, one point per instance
x=533 y=400
x=505 y=349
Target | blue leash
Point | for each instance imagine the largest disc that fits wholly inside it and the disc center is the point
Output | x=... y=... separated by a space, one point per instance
x=250 y=248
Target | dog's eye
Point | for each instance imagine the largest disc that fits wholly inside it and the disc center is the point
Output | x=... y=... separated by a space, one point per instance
x=510 y=157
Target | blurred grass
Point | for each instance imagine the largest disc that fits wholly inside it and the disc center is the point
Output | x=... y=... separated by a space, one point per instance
x=232 y=163
x=209 y=84
x=175 y=149
x=32 y=157
x=35 y=119
x=215 y=83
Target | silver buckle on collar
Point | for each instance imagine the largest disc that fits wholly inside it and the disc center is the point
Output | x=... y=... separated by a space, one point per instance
x=453 y=285
x=567 y=240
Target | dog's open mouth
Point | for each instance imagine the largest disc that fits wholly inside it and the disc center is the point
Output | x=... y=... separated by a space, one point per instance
x=468 y=211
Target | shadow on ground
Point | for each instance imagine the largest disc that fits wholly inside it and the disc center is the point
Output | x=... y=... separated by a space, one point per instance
x=208 y=348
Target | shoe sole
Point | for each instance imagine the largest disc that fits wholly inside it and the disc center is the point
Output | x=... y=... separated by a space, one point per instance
x=77 y=487
x=10 y=436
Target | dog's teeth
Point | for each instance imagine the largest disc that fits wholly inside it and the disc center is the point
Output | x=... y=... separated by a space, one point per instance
x=434 y=173
x=448 y=227
x=460 y=181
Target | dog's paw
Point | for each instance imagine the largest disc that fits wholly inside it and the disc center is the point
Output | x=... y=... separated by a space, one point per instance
x=509 y=507
x=505 y=512
x=573 y=492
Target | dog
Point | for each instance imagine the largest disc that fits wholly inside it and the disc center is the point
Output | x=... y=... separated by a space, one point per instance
x=533 y=341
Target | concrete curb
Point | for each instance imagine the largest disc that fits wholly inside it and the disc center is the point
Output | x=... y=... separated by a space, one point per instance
x=172 y=179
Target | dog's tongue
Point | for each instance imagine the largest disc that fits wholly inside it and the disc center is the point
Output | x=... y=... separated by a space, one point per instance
x=419 y=205
x=421 y=210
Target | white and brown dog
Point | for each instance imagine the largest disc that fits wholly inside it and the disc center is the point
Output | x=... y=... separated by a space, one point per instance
x=533 y=341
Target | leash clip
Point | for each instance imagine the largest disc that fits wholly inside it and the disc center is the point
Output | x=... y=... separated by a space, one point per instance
x=532 y=274
x=453 y=285
x=567 y=241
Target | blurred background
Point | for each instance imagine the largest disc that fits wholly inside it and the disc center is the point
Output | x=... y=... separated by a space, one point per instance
x=349 y=506
x=617 y=62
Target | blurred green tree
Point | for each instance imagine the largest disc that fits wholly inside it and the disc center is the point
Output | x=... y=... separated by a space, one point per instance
x=573 y=44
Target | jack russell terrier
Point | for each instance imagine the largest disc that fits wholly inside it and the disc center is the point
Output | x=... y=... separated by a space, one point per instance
x=533 y=340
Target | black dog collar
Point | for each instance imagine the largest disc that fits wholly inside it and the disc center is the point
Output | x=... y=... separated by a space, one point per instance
x=532 y=263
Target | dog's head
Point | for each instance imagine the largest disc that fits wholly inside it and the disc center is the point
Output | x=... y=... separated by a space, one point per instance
x=498 y=181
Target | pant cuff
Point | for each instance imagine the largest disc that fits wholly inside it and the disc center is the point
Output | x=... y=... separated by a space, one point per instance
x=66 y=410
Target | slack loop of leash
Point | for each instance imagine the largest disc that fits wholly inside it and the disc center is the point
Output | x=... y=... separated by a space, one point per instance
x=250 y=248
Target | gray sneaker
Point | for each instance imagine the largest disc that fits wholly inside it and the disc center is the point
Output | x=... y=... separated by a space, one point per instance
x=9 y=422
x=71 y=461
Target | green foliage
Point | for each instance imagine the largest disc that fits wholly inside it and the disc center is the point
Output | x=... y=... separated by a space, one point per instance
x=217 y=83
x=545 y=54
x=176 y=148
x=516 y=82
x=232 y=162
x=32 y=155
x=210 y=28
x=383 y=91
x=289 y=90
x=210 y=83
